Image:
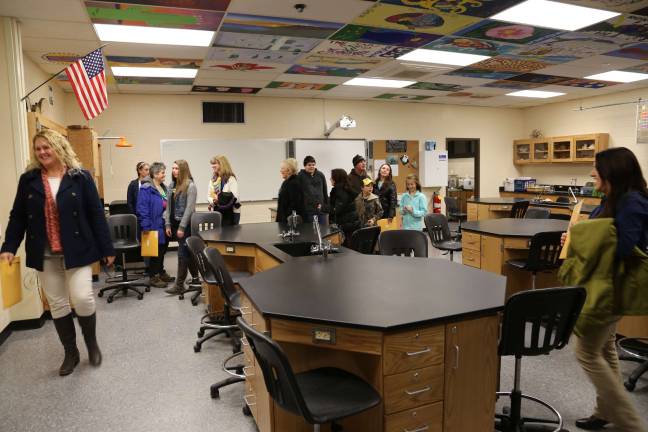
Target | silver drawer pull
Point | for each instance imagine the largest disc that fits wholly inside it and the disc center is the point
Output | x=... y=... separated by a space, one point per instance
x=245 y=372
x=415 y=353
x=415 y=392
x=418 y=429
x=247 y=402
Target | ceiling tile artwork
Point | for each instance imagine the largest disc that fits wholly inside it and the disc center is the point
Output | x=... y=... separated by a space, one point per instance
x=271 y=49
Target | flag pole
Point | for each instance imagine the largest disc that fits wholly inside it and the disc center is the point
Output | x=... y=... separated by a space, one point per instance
x=55 y=75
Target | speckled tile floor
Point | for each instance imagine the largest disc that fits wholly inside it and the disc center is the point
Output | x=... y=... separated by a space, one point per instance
x=151 y=380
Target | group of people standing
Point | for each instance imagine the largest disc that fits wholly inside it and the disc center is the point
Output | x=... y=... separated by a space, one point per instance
x=355 y=201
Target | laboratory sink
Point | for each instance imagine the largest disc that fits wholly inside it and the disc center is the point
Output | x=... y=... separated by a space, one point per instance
x=298 y=249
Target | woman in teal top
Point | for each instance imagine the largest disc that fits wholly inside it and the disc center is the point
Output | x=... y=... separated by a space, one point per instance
x=413 y=204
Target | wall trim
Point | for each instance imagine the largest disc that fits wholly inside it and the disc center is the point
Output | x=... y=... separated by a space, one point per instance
x=28 y=324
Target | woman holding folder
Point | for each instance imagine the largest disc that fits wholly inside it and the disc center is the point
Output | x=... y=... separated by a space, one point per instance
x=58 y=210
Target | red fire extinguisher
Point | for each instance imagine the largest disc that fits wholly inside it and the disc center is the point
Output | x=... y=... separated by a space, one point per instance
x=436 y=203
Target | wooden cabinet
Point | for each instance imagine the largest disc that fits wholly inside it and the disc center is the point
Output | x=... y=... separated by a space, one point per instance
x=562 y=149
x=462 y=198
x=88 y=149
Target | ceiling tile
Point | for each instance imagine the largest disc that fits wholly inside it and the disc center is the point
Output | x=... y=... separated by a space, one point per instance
x=359 y=49
x=244 y=69
x=365 y=63
x=250 y=55
x=509 y=64
x=642 y=68
x=291 y=85
x=67 y=46
x=156 y=89
x=160 y=51
x=375 y=35
x=506 y=32
x=312 y=78
x=288 y=93
x=216 y=81
x=466 y=81
x=62 y=30
x=52 y=10
x=225 y=89
x=154 y=62
x=154 y=80
x=481 y=9
x=278 y=26
x=624 y=28
x=265 y=42
x=467 y=45
x=325 y=70
x=213 y=5
x=637 y=52
x=329 y=10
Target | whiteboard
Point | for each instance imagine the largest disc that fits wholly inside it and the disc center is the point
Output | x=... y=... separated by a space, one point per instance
x=254 y=161
x=330 y=153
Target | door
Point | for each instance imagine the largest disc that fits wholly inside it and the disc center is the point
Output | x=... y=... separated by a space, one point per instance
x=562 y=149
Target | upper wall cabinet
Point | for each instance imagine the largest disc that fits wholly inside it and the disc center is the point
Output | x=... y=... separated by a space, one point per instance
x=564 y=149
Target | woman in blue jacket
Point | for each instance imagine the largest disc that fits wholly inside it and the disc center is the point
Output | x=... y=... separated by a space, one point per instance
x=413 y=204
x=618 y=175
x=152 y=202
x=58 y=210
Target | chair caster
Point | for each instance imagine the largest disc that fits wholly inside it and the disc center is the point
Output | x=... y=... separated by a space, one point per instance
x=140 y=296
x=100 y=294
x=214 y=392
x=246 y=411
x=630 y=386
x=194 y=302
x=197 y=348
x=109 y=300
x=201 y=333
x=181 y=297
x=147 y=289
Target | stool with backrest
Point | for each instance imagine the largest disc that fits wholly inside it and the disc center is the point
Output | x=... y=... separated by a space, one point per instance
x=123 y=232
x=544 y=255
x=118 y=207
x=439 y=233
x=364 y=240
x=537 y=213
x=453 y=211
x=321 y=396
x=634 y=350
x=403 y=242
x=518 y=210
x=559 y=216
x=535 y=323
x=200 y=221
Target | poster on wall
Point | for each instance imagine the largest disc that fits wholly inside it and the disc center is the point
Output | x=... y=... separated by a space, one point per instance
x=642 y=122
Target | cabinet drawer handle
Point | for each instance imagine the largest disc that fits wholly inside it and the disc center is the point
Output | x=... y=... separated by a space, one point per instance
x=415 y=353
x=456 y=365
x=247 y=402
x=418 y=429
x=415 y=392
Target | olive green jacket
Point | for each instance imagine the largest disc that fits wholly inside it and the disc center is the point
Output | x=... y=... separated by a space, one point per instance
x=613 y=287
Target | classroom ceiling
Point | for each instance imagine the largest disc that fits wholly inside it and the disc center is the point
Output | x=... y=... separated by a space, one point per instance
x=269 y=48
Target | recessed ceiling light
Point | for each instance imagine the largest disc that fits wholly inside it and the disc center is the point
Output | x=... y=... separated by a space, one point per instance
x=535 y=94
x=153 y=72
x=619 y=76
x=378 y=82
x=551 y=14
x=153 y=35
x=442 y=57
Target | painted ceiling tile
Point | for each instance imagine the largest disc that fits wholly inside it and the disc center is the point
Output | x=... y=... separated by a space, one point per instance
x=471 y=46
x=437 y=87
x=265 y=42
x=471 y=72
x=505 y=32
x=358 y=49
x=279 y=26
x=483 y=8
x=411 y=19
x=643 y=68
x=154 y=80
x=253 y=55
x=513 y=85
x=625 y=29
x=153 y=62
x=243 y=67
x=374 y=35
x=153 y=16
x=642 y=12
x=300 y=86
x=325 y=71
x=592 y=84
x=342 y=61
x=638 y=52
x=212 y=5
x=402 y=97
x=225 y=89
x=508 y=64
x=568 y=46
x=539 y=78
x=612 y=5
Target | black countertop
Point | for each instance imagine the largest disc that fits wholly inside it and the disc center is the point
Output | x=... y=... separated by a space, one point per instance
x=374 y=292
x=586 y=209
x=508 y=227
x=504 y=201
x=266 y=235
x=555 y=193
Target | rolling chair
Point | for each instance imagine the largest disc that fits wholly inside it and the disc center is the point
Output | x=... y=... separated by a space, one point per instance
x=364 y=240
x=535 y=323
x=559 y=216
x=403 y=242
x=519 y=209
x=544 y=255
x=537 y=213
x=634 y=350
x=453 y=211
x=321 y=396
x=563 y=200
x=123 y=232
x=118 y=207
x=439 y=233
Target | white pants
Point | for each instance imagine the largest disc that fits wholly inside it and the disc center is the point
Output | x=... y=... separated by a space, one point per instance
x=62 y=286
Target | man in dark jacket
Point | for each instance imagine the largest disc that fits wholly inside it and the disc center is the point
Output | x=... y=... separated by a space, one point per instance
x=313 y=183
x=357 y=174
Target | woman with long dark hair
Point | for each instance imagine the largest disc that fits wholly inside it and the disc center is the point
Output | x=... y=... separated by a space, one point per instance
x=342 y=201
x=618 y=175
x=385 y=188
x=142 y=169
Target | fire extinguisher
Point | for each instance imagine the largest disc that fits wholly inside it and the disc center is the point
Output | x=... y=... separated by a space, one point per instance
x=436 y=203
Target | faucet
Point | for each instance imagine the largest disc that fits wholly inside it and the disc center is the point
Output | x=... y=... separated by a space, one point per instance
x=322 y=246
x=293 y=221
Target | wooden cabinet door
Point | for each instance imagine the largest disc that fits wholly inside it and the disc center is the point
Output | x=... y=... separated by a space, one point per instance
x=471 y=366
x=585 y=147
x=522 y=151
x=473 y=213
x=540 y=152
x=491 y=254
x=562 y=149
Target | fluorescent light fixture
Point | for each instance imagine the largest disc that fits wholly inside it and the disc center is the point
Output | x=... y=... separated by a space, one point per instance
x=551 y=14
x=378 y=82
x=535 y=94
x=442 y=57
x=153 y=35
x=153 y=72
x=619 y=76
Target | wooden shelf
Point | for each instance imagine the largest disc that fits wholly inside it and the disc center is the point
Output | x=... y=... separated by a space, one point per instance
x=563 y=149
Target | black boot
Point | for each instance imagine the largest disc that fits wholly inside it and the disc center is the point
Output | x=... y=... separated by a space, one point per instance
x=89 y=330
x=67 y=335
x=178 y=288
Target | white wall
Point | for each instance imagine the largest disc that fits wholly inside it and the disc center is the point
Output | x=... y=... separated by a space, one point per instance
x=462 y=167
x=146 y=119
x=33 y=77
x=561 y=119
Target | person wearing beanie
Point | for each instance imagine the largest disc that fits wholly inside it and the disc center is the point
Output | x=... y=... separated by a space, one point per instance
x=357 y=174
x=315 y=189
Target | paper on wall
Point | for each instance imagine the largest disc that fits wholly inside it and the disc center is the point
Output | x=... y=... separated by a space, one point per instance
x=394 y=170
x=377 y=164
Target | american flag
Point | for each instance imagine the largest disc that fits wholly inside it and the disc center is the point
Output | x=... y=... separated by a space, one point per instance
x=88 y=79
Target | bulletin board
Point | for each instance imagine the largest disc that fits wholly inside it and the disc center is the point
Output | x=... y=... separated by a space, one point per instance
x=412 y=151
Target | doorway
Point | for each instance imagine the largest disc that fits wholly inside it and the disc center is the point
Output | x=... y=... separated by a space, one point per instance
x=463 y=170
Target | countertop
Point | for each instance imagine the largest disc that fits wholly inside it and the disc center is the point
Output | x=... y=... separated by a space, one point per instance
x=508 y=227
x=586 y=209
x=501 y=189
x=374 y=292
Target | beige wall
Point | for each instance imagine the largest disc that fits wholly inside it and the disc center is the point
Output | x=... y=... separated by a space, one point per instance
x=33 y=77
x=462 y=167
x=561 y=119
x=146 y=119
